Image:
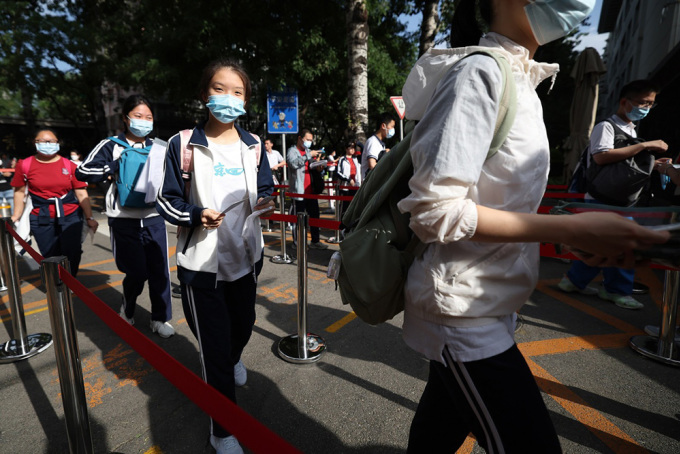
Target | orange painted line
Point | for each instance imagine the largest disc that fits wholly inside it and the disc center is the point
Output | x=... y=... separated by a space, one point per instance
x=616 y=439
x=97 y=273
x=101 y=262
x=342 y=322
x=44 y=301
x=576 y=343
x=549 y=287
x=26 y=306
x=468 y=446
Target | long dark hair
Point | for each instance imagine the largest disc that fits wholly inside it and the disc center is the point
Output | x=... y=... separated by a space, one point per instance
x=465 y=27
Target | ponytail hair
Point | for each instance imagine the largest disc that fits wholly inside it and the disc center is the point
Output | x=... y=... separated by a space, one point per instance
x=465 y=27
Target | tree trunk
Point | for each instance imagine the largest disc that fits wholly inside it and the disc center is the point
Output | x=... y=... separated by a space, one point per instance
x=428 y=31
x=357 y=77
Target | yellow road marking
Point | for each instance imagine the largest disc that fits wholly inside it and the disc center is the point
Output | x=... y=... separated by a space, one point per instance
x=342 y=322
x=596 y=422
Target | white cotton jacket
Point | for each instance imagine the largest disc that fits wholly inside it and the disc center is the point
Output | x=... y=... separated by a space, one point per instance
x=458 y=282
x=197 y=248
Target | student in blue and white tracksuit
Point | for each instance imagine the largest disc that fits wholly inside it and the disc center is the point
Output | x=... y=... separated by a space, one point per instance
x=218 y=255
x=138 y=236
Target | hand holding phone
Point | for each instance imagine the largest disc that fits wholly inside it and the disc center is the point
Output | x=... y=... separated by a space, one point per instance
x=264 y=202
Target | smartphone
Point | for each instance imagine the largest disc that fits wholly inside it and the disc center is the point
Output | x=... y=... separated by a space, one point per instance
x=671 y=227
x=265 y=200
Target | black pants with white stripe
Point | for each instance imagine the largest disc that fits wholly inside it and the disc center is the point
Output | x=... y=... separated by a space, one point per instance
x=222 y=320
x=140 y=247
x=496 y=399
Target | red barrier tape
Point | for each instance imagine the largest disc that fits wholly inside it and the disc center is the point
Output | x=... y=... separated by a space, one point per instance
x=249 y=431
x=563 y=195
x=320 y=197
x=27 y=247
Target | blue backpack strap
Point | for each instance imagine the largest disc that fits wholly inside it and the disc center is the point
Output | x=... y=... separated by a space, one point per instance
x=127 y=146
x=120 y=142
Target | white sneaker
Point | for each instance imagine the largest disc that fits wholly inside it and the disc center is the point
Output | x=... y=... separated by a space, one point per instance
x=240 y=374
x=131 y=321
x=226 y=445
x=164 y=329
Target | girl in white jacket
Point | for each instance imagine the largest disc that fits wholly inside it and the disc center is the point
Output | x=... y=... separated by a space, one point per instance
x=478 y=218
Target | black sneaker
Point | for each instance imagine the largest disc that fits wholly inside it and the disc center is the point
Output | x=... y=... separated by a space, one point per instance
x=177 y=292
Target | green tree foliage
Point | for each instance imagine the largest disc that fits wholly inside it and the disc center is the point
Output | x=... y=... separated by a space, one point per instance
x=59 y=54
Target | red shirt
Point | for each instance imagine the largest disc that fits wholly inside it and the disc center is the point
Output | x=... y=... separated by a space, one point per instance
x=308 y=178
x=352 y=169
x=48 y=180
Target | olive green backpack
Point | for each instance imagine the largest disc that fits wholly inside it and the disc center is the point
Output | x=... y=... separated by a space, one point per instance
x=379 y=246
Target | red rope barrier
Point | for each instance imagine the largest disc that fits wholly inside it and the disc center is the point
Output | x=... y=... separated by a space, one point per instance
x=320 y=197
x=27 y=247
x=249 y=431
x=563 y=195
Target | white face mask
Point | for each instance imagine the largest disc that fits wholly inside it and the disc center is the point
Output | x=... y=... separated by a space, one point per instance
x=390 y=133
x=554 y=19
x=307 y=143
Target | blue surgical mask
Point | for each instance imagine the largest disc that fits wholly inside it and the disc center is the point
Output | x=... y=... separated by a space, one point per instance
x=307 y=143
x=47 y=148
x=390 y=133
x=225 y=108
x=554 y=19
x=140 y=128
x=637 y=114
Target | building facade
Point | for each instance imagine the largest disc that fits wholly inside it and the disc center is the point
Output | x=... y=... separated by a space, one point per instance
x=644 y=43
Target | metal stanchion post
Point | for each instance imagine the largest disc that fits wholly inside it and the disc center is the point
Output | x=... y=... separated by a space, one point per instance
x=303 y=347
x=3 y=287
x=6 y=212
x=284 y=257
x=338 y=216
x=68 y=356
x=664 y=348
x=23 y=345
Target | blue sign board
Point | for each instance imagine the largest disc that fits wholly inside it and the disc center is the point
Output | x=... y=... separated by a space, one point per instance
x=282 y=112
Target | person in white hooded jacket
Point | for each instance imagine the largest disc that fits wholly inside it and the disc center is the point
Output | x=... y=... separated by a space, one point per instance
x=478 y=218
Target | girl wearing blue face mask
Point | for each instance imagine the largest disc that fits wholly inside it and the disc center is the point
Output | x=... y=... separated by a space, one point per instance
x=59 y=200
x=215 y=166
x=138 y=236
x=477 y=218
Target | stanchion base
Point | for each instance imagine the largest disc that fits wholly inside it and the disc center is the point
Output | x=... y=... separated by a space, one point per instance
x=648 y=346
x=35 y=343
x=3 y=288
x=640 y=288
x=288 y=349
x=334 y=240
x=281 y=259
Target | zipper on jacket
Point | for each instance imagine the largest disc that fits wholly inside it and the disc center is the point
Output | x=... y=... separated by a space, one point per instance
x=189 y=235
